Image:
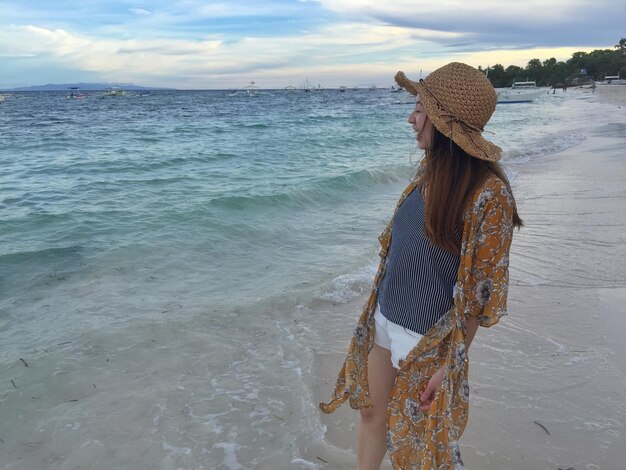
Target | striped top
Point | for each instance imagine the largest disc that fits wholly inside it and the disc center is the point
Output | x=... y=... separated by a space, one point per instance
x=416 y=289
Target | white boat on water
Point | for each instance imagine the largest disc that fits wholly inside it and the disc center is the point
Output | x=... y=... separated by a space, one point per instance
x=2 y=98
x=249 y=90
x=76 y=94
x=114 y=91
x=520 y=92
x=252 y=89
x=613 y=80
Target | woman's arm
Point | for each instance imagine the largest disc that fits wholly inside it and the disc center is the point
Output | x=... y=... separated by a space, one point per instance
x=434 y=384
x=486 y=288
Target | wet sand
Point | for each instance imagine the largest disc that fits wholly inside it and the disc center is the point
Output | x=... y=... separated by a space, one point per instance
x=548 y=382
x=613 y=94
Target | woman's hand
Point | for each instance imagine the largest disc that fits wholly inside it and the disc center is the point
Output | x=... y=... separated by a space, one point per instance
x=434 y=384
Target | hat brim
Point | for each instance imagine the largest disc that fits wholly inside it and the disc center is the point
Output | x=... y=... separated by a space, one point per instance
x=469 y=140
x=404 y=82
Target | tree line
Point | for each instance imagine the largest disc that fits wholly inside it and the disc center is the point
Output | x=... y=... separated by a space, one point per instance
x=581 y=67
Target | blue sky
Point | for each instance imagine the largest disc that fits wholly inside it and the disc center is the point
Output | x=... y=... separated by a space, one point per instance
x=226 y=44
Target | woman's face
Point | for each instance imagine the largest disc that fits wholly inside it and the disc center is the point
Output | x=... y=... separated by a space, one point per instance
x=421 y=125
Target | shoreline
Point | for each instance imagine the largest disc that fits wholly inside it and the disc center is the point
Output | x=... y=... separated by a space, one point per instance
x=535 y=379
x=611 y=94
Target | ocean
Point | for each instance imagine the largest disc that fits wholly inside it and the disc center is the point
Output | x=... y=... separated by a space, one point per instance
x=167 y=262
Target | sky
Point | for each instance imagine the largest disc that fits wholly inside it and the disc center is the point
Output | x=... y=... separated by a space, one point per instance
x=193 y=44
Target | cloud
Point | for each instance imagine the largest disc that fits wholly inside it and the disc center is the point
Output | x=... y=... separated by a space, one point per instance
x=106 y=56
x=203 y=44
x=212 y=58
x=524 y=24
x=348 y=53
x=140 y=11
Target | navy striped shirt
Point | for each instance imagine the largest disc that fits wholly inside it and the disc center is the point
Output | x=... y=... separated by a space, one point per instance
x=416 y=290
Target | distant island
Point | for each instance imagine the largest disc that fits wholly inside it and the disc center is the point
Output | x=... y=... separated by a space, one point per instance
x=86 y=87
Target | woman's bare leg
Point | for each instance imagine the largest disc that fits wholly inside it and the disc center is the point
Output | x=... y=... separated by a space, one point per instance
x=372 y=434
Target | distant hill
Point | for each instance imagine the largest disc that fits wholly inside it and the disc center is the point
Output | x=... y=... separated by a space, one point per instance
x=84 y=87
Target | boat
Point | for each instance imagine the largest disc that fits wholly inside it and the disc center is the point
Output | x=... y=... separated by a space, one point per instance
x=75 y=94
x=290 y=89
x=342 y=88
x=114 y=91
x=613 y=80
x=520 y=92
x=307 y=86
x=2 y=98
x=252 y=89
x=396 y=89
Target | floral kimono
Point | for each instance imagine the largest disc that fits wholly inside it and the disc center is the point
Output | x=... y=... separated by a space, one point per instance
x=429 y=440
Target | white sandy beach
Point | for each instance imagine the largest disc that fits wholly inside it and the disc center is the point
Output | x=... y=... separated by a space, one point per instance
x=548 y=382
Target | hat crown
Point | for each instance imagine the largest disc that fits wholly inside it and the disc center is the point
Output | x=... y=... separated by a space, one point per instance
x=463 y=92
x=459 y=100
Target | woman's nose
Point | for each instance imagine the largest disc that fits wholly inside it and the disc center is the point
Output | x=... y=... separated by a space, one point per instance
x=412 y=118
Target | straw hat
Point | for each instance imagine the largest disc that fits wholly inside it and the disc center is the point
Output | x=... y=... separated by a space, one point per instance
x=459 y=100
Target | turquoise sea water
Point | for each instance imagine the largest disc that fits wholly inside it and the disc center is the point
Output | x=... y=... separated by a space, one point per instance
x=157 y=254
x=202 y=191
x=226 y=199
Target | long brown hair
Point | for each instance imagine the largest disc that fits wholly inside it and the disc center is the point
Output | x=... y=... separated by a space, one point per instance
x=448 y=178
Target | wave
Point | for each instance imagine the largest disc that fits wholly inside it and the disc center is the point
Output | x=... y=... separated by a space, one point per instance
x=317 y=192
x=350 y=286
x=548 y=145
x=127 y=166
x=9 y=260
x=255 y=126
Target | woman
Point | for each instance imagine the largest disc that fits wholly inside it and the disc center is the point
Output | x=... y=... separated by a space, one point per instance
x=443 y=272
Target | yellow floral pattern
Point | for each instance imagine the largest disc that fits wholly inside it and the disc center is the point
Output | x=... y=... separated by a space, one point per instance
x=429 y=441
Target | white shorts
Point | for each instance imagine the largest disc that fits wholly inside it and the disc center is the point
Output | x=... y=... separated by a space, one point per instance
x=397 y=339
